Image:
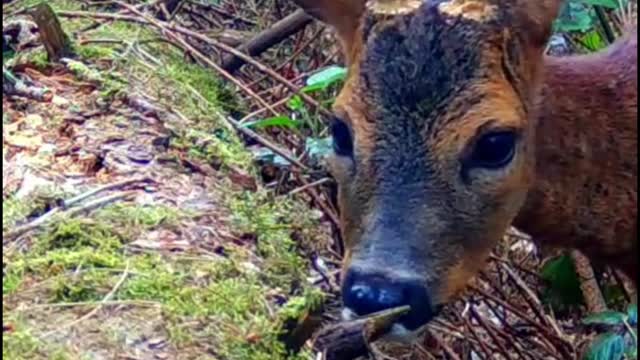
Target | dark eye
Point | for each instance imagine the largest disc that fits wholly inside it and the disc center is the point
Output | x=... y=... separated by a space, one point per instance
x=342 y=141
x=494 y=150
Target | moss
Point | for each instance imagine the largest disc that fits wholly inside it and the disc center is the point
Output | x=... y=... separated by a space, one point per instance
x=94 y=52
x=20 y=344
x=13 y=210
x=224 y=303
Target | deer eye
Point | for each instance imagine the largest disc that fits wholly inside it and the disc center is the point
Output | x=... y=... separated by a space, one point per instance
x=494 y=150
x=342 y=140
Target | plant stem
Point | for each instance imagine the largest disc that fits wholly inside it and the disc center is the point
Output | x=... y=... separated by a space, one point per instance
x=606 y=27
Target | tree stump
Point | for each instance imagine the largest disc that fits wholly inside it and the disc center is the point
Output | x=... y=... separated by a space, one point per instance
x=55 y=41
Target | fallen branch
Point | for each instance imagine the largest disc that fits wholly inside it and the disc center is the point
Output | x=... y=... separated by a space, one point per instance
x=281 y=30
x=46 y=217
x=11 y=85
x=349 y=340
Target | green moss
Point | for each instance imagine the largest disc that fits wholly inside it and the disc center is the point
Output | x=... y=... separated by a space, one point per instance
x=21 y=344
x=224 y=303
x=10 y=282
x=94 y=52
x=13 y=210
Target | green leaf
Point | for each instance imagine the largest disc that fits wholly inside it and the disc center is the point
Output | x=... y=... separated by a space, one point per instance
x=325 y=78
x=296 y=103
x=606 y=347
x=632 y=314
x=605 y=318
x=563 y=290
x=283 y=121
x=593 y=41
x=575 y=16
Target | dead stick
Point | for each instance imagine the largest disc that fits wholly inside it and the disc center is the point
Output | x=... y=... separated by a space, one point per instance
x=588 y=283
x=489 y=331
x=44 y=219
x=279 y=31
x=349 y=340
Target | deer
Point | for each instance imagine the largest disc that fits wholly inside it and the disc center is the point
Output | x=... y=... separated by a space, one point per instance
x=453 y=125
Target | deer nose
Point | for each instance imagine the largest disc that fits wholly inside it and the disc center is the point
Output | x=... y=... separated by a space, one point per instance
x=367 y=292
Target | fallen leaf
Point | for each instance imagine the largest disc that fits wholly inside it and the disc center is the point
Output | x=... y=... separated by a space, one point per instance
x=24 y=141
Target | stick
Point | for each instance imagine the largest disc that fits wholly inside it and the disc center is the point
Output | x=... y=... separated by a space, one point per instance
x=97 y=308
x=588 y=283
x=278 y=32
x=349 y=340
x=44 y=219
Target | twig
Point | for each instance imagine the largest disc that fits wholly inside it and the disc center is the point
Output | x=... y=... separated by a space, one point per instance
x=447 y=349
x=279 y=31
x=588 y=283
x=266 y=143
x=44 y=219
x=97 y=308
x=11 y=85
x=93 y=303
x=349 y=340
x=117 y=185
x=529 y=295
x=97 y=203
x=310 y=185
x=198 y=36
x=563 y=343
x=606 y=27
x=489 y=331
x=171 y=31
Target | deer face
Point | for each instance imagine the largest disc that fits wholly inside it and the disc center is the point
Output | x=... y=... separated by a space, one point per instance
x=433 y=147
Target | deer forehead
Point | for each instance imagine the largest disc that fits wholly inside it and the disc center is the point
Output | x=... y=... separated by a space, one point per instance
x=478 y=10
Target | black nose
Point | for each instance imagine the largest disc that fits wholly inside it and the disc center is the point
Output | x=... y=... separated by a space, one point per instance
x=367 y=292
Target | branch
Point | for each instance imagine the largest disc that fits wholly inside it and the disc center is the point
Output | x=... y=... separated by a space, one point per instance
x=281 y=30
x=349 y=340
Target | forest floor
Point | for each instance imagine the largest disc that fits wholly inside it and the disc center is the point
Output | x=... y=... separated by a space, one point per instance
x=181 y=254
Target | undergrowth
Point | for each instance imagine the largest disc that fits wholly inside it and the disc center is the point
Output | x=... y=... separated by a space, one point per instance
x=234 y=304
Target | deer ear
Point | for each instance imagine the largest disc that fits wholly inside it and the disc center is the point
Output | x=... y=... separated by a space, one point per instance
x=535 y=19
x=343 y=15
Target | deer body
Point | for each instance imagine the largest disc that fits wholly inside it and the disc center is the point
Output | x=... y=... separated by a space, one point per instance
x=452 y=125
x=585 y=192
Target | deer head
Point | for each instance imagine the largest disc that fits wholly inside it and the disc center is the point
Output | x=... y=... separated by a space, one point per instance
x=433 y=141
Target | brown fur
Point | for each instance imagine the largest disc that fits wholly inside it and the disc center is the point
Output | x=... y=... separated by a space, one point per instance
x=423 y=86
x=585 y=195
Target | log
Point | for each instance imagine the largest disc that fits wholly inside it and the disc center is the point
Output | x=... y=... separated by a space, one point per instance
x=351 y=339
x=281 y=30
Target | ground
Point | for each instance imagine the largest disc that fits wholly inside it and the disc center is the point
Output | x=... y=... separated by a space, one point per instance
x=187 y=256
